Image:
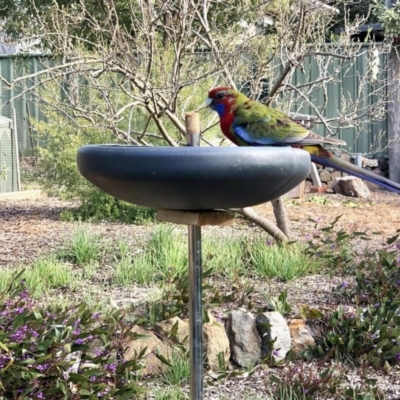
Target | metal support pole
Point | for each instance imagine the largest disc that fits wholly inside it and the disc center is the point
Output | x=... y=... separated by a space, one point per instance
x=195 y=284
x=195 y=313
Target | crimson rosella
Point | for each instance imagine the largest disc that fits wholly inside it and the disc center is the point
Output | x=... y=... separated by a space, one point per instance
x=249 y=123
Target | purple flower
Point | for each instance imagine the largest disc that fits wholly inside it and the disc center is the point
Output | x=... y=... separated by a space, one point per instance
x=39 y=395
x=96 y=315
x=79 y=341
x=111 y=367
x=76 y=332
x=345 y=284
x=92 y=378
x=275 y=353
x=269 y=242
x=43 y=367
x=104 y=392
x=398 y=357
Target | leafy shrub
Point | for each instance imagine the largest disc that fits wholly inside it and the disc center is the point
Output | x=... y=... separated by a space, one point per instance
x=40 y=350
x=369 y=329
x=334 y=247
x=99 y=206
x=58 y=174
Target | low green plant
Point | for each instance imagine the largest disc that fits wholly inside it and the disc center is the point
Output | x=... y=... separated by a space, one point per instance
x=39 y=349
x=179 y=371
x=309 y=382
x=283 y=262
x=334 y=247
x=169 y=393
x=84 y=247
x=318 y=199
x=368 y=331
x=279 y=303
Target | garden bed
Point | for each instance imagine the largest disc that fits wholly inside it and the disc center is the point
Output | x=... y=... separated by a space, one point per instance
x=31 y=229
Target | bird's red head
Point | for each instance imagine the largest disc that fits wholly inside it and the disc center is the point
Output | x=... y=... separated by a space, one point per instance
x=223 y=100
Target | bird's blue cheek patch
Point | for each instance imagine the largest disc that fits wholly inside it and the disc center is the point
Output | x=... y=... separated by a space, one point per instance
x=220 y=109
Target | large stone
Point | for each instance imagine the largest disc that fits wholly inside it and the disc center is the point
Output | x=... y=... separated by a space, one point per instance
x=325 y=175
x=336 y=174
x=215 y=341
x=245 y=343
x=151 y=364
x=369 y=163
x=300 y=335
x=275 y=335
x=180 y=335
x=351 y=186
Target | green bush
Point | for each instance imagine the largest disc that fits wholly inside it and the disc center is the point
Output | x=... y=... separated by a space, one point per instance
x=58 y=174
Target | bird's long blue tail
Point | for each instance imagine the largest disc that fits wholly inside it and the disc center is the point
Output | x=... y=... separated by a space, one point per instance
x=351 y=169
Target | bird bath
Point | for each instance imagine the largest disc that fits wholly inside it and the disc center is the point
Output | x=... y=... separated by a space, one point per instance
x=194 y=181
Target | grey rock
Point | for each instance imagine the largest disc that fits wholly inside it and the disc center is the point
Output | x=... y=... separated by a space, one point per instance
x=245 y=342
x=325 y=175
x=275 y=335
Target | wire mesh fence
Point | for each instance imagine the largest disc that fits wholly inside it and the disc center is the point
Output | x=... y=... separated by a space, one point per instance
x=9 y=156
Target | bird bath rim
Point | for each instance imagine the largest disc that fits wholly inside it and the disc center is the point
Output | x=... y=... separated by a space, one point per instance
x=193 y=178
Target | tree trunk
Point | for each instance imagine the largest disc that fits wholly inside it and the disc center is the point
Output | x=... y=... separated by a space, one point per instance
x=264 y=223
x=280 y=215
x=393 y=112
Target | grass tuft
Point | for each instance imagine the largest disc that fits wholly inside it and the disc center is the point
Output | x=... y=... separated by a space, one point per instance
x=83 y=248
x=281 y=262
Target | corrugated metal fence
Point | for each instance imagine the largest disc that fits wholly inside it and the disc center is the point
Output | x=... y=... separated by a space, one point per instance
x=347 y=87
x=351 y=88
x=12 y=67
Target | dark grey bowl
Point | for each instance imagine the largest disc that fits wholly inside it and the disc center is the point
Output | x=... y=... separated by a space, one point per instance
x=193 y=178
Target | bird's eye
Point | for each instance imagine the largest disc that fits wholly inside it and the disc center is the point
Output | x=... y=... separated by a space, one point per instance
x=220 y=95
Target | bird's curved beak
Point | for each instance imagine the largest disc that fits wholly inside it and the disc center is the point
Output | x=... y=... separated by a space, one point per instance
x=210 y=103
